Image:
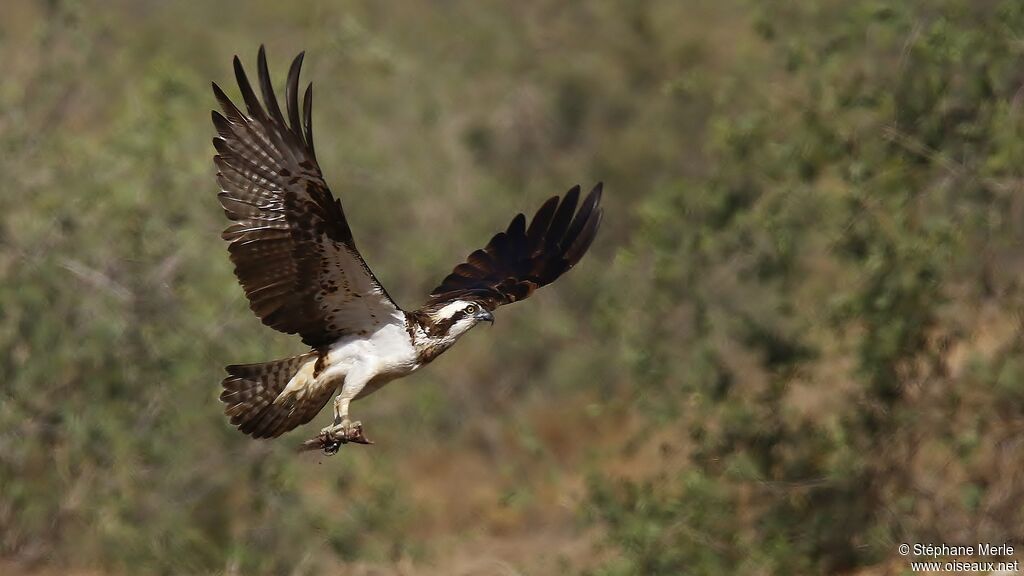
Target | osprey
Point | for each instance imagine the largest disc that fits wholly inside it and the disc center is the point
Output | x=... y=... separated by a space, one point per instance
x=297 y=262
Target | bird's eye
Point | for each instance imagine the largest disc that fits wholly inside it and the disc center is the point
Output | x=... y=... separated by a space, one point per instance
x=471 y=309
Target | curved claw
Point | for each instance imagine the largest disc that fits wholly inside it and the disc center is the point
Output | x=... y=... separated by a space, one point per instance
x=331 y=447
x=330 y=441
x=356 y=436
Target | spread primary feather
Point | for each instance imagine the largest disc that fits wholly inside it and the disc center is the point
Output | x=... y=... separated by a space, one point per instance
x=297 y=262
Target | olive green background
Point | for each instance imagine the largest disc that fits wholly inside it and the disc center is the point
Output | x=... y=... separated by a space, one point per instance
x=795 y=344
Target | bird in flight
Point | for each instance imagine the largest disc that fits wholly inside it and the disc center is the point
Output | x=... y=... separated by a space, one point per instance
x=297 y=262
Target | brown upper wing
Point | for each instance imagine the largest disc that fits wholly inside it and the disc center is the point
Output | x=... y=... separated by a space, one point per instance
x=521 y=259
x=292 y=247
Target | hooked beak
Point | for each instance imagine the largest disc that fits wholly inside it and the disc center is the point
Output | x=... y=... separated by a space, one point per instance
x=484 y=316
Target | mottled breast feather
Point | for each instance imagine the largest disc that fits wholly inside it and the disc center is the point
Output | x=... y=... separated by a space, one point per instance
x=292 y=247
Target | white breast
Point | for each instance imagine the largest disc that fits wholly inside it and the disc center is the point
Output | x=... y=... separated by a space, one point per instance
x=387 y=351
x=361 y=364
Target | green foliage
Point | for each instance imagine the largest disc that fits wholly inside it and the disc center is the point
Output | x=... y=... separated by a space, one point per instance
x=845 y=216
x=795 y=344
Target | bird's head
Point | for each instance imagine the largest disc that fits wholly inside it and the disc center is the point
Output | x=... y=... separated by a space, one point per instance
x=456 y=318
x=443 y=323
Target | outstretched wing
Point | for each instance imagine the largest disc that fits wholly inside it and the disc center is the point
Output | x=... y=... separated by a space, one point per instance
x=521 y=259
x=292 y=247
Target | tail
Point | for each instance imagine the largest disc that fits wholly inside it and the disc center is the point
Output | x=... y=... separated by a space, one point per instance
x=250 y=391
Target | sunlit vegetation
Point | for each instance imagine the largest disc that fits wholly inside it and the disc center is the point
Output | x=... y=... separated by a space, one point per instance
x=795 y=344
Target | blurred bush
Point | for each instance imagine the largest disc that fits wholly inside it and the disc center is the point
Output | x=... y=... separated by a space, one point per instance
x=795 y=345
x=848 y=278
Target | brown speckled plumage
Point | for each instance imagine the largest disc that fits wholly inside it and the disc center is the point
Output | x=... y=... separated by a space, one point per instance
x=250 y=391
x=297 y=262
x=292 y=246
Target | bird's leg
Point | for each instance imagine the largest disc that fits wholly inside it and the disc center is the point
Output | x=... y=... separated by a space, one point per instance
x=343 y=430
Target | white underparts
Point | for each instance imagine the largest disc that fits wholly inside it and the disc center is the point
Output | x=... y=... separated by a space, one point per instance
x=360 y=364
x=354 y=362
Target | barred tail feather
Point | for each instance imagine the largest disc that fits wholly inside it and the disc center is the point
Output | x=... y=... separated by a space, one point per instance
x=250 y=391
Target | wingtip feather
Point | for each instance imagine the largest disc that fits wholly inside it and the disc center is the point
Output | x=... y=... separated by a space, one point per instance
x=267 y=87
x=307 y=105
x=597 y=192
x=585 y=238
x=292 y=96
